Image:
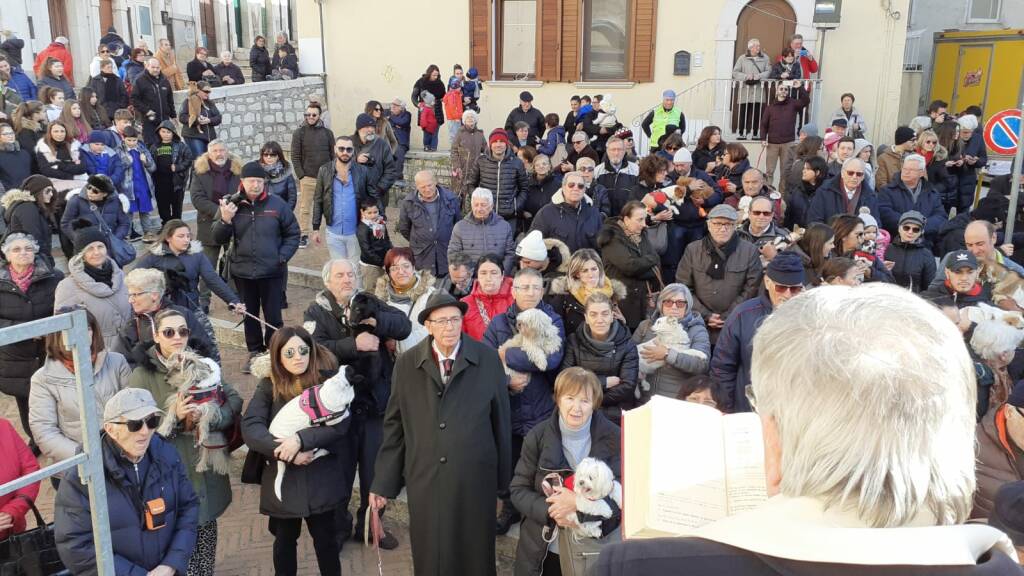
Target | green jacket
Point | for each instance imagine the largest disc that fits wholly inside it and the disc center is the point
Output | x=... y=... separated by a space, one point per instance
x=213 y=490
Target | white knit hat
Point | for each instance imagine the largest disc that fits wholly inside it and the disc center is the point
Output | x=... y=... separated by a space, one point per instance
x=968 y=122
x=532 y=247
x=682 y=155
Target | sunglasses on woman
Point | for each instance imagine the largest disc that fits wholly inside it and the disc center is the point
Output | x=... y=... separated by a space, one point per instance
x=290 y=353
x=151 y=422
x=169 y=332
x=911 y=229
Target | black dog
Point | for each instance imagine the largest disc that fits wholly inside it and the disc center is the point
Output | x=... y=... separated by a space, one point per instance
x=362 y=307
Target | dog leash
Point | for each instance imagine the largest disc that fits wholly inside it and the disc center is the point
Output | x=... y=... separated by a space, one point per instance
x=373 y=532
x=256 y=318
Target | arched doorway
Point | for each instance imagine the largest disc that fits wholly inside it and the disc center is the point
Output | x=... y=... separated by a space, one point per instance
x=773 y=22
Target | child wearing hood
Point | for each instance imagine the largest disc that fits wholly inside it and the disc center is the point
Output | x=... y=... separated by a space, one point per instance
x=100 y=156
x=173 y=160
x=374 y=242
x=865 y=151
x=872 y=233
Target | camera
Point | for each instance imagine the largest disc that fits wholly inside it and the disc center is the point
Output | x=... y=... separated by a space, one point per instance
x=237 y=198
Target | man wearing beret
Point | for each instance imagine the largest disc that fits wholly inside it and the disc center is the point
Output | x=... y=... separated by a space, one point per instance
x=525 y=112
x=730 y=366
x=265 y=236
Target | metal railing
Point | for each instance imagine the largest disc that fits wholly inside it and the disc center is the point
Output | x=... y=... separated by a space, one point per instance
x=75 y=329
x=733 y=105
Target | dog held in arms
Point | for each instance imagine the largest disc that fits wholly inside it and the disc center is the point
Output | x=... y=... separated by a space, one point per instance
x=536 y=335
x=322 y=405
x=198 y=377
x=598 y=500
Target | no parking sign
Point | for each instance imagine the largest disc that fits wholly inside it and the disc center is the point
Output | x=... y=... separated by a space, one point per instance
x=1002 y=130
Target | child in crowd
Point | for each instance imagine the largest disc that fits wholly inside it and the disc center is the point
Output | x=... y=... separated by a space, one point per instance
x=173 y=160
x=471 y=87
x=53 y=98
x=138 y=186
x=374 y=242
x=123 y=118
x=100 y=156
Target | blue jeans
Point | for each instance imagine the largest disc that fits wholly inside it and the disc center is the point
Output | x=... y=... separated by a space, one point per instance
x=197 y=146
x=429 y=140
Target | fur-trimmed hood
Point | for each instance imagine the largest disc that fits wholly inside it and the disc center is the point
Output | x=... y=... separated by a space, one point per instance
x=563 y=252
x=43 y=148
x=14 y=196
x=560 y=285
x=202 y=164
x=260 y=366
x=425 y=283
x=161 y=248
x=125 y=202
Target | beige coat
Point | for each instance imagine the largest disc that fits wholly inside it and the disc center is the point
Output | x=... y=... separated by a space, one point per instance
x=169 y=68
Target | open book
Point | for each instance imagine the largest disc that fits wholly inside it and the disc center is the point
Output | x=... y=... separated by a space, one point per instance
x=685 y=465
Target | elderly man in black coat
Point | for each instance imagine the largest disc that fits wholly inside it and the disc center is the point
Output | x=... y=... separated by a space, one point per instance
x=356 y=342
x=447 y=437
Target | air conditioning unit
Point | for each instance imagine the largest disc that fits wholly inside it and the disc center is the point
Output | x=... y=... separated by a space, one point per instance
x=827 y=13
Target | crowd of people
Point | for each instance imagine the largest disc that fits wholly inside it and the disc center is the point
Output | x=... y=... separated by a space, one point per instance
x=562 y=280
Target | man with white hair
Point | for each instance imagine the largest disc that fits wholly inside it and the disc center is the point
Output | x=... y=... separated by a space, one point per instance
x=911 y=191
x=870 y=471
x=426 y=219
x=570 y=217
x=147 y=295
x=483 y=232
x=617 y=174
x=228 y=72
x=847 y=193
x=326 y=319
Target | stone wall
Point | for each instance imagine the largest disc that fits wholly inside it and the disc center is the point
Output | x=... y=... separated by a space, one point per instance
x=260 y=112
x=439 y=162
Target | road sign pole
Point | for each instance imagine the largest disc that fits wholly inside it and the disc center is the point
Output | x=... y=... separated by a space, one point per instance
x=1018 y=159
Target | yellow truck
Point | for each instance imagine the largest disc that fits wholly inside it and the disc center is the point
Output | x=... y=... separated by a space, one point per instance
x=982 y=67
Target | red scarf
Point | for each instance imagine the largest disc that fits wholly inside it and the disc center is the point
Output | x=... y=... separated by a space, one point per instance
x=23 y=281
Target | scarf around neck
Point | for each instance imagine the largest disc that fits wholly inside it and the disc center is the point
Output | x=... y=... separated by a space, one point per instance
x=375 y=226
x=635 y=238
x=582 y=292
x=23 y=280
x=104 y=274
x=719 y=255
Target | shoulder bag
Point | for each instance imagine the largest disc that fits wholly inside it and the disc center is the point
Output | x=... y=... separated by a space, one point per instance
x=33 y=552
x=121 y=250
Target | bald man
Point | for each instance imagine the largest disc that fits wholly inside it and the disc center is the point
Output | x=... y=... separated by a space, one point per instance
x=153 y=100
x=426 y=219
x=980 y=239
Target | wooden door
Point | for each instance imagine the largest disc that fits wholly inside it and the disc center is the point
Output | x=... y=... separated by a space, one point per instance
x=208 y=25
x=106 y=15
x=770 y=21
x=58 y=18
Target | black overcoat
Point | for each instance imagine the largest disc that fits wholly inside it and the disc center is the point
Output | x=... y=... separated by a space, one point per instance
x=450 y=448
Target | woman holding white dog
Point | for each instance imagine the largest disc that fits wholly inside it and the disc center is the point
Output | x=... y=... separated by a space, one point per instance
x=163 y=369
x=603 y=346
x=310 y=487
x=551 y=452
x=675 y=301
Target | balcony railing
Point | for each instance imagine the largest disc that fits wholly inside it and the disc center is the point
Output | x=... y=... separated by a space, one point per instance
x=734 y=106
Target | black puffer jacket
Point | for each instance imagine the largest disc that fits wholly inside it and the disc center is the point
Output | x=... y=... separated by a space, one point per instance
x=539 y=193
x=542 y=454
x=153 y=94
x=506 y=178
x=312 y=147
x=915 y=264
x=334 y=333
x=21 y=359
x=266 y=236
x=616 y=356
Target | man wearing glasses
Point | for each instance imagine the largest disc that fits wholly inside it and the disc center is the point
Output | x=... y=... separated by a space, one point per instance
x=531 y=387
x=312 y=147
x=730 y=365
x=446 y=440
x=152 y=506
x=340 y=187
x=846 y=194
x=572 y=219
x=102 y=53
x=912 y=191
x=617 y=174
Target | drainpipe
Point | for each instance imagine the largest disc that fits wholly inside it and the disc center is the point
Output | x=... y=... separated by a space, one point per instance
x=323 y=53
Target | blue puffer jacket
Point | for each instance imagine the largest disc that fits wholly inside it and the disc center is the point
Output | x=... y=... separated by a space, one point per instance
x=536 y=401
x=183 y=272
x=160 y=474
x=114 y=211
x=266 y=236
x=23 y=84
x=730 y=366
x=108 y=162
x=894 y=199
x=830 y=200
x=549 y=144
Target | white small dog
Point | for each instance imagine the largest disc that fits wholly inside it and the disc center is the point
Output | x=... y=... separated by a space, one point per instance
x=670 y=333
x=598 y=497
x=322 y=405
x=536 y=335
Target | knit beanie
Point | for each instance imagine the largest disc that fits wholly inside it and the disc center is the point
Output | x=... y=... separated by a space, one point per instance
x=532 y=246
x=904 y=134
x=85 y=233
x=497 y=135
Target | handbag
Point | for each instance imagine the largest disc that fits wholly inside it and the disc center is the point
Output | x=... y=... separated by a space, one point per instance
x=578 y=557
x=121 y=250
x=252 y=468
x=657 y=235
x=33 y=552
x=652 y=295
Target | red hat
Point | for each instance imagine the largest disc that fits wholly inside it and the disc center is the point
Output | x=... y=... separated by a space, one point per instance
x=498 y=134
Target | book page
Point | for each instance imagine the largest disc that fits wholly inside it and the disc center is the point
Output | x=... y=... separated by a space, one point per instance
x=746 y=487
x=687 y=467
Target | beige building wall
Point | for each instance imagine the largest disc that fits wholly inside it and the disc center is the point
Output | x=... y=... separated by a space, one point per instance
x=382 y=61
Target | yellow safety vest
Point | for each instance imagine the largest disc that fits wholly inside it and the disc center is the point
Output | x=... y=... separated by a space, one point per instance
x=662 y=118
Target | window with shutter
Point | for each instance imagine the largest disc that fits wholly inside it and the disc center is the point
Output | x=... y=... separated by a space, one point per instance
x=517 y=39
x=549 y=31
x=605 y=39
x=480 y=37
x=642 y=28
x=570 y=40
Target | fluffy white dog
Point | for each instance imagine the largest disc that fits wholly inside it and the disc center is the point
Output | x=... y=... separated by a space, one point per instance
x=322 y=405
x=598 y=497
x=536 y=335
x=670 y=333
